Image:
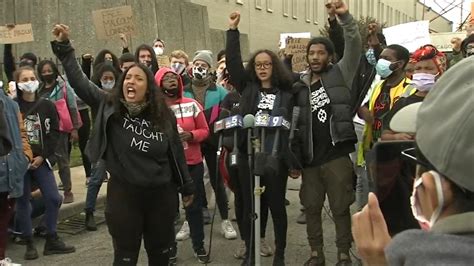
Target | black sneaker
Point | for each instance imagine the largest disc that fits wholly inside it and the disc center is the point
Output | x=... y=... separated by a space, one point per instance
x=278 y=260
x=54 y=245
x=301 y=218
x=31 y=253
x=90 y=222
x=202 y=255
x=173 y=255
x=316 y=261
x=40 y=231
x=343 y=259
x=206 y=216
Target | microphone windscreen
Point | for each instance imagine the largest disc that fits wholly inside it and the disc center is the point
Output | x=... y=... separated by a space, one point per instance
x=249 y=121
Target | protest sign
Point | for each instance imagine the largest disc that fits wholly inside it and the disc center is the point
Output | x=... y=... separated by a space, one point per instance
x=442 y=40
x=284 y=37
x=111 y=22
x=410 y=35
x=17 y=34
x=297 y=48
x=163 y=60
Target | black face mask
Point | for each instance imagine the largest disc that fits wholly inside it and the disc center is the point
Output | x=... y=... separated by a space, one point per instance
x=171 y=92
x=49 y=78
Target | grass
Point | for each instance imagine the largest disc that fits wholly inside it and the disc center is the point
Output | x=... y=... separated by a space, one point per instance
x=75 y=159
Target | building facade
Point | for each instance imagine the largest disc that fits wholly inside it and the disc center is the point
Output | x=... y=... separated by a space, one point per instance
x=264 y=20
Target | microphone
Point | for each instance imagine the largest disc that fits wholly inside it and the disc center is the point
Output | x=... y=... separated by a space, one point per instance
x=249 y=123
x=219 y=127
x=234 y=123
x=279 y=122
x=294 y=121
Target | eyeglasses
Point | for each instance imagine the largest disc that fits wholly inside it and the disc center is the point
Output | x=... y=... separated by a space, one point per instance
x=265 y=65
x=168 y=79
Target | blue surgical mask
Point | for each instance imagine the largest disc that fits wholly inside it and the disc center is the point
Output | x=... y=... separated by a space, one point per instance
x=107 y=85
x=370 y=55
x=383 y=68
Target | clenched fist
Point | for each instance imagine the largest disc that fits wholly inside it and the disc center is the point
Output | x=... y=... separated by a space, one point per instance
x=234 y=20
x=61 y=32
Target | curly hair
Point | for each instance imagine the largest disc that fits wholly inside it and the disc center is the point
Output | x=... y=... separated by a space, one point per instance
x=157 y=112
x=101 y=68
x=100 y=59
x=281 y=77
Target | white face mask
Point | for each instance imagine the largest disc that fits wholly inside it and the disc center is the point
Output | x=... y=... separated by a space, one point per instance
x=423 y=81
x=415 y=206
x=178 y=68
x=107 y=85
x=158 y=50
x=199 y=72
x=30 y=86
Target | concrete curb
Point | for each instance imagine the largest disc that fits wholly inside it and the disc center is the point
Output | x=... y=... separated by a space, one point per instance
x=71 y=209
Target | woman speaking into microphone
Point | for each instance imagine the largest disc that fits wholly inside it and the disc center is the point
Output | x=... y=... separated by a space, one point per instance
x=264 y=86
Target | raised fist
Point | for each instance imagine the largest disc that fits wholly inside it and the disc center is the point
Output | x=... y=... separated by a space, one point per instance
x=234 y=20
x=340 y=8
x=61 y=32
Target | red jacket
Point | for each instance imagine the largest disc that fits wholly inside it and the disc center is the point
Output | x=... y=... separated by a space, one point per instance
x=190 y=116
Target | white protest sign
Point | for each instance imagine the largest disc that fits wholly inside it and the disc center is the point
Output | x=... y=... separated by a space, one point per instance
x=410 y=35
x=442 y=40
x=284 y=36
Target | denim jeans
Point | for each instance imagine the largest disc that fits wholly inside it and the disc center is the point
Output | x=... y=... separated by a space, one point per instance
x=95 y=182
x=44 y=177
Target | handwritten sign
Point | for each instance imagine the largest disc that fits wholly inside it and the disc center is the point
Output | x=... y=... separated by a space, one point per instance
x=297 y=48
x=163 y=60
x=442 y=40
x=284 y=37
x=18 y=34
x=111 y=22
x=410 y=35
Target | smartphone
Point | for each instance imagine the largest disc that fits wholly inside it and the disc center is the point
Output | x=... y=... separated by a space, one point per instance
x=393 y=175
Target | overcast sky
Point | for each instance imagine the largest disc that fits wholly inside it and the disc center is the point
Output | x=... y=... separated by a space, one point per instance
x=455 y=5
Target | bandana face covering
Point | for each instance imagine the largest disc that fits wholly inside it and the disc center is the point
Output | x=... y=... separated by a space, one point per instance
x=134 y=109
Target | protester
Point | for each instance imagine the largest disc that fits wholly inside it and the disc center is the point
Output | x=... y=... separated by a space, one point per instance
x=193 y=130
x=27 y=59
x=145 y=55
x=145 y=174
x=105 y=78
x=327 y=136
x=443 y=191
x=467 y=46
x=428 y=68
x=222 y=75
x=126 y=60
x=13 y=166
x=107 y=57
x=203 y=89
x=159 y=46
x=265 y=88
x=54 y=88
x=42 y=126
x=179 y=61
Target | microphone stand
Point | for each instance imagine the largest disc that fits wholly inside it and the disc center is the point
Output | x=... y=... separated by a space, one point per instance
x=258 y=191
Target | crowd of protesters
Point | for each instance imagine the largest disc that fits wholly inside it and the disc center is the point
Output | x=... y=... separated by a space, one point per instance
x=148 y=131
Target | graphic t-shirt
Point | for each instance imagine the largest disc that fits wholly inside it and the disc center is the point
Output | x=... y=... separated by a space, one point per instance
x=266 y=101
x=381 y=109
x=136 y=152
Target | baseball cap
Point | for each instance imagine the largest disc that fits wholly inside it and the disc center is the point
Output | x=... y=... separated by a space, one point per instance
x=444 y=124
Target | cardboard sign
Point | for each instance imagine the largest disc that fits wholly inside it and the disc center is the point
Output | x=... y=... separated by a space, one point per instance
x=18 y=34
x=284 y=37
x=109 y=23
x=410 y=35
x=295 y=46
x=163 y=60
x=442 y=40
x=471 y=20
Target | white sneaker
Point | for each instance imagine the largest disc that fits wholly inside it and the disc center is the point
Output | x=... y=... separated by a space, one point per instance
x=184 y=232
x=228 y=230
x=8 y=262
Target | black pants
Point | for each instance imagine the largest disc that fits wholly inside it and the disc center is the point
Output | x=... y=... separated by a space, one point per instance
x=84 y=133
x=134 y=212
x=216 y=182
x=274 y=197
x=194 y=212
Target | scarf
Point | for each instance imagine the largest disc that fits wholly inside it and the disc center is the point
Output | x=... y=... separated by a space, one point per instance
x=134 y=109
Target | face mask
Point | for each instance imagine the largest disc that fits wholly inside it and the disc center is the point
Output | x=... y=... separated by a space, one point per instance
x=107 y=85
x=370 y=55
x=108 y=62
x=30 y=86
x=199 y=72
x=49 y=78
x=415 y=206
x=171 y=92
x=158 y=50
x=384 y=68
x=178 y=68
x=423 y=81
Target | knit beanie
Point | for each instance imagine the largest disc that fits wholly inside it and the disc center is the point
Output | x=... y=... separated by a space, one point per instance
x=203 y=55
